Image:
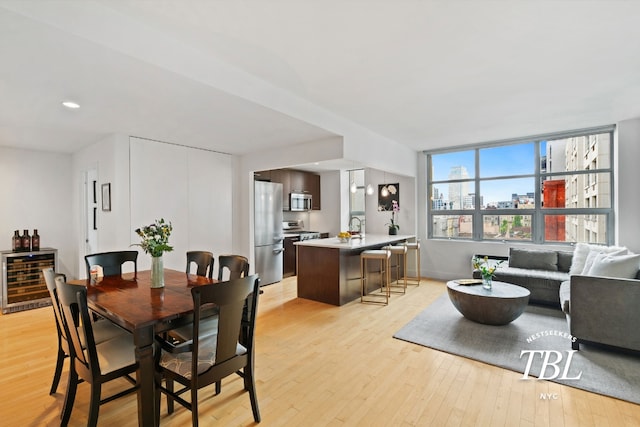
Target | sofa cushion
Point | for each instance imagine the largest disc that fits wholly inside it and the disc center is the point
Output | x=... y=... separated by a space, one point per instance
x=595 y=253
x=543 y=284
x=564 y=260
x=533 y=259
x=565 y=294
x=621 y=266
x=581 y=252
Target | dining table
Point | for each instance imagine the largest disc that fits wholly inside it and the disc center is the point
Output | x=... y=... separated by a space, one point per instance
x=129 y=301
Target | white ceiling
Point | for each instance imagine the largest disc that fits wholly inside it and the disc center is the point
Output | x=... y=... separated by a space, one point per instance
x=237 y=76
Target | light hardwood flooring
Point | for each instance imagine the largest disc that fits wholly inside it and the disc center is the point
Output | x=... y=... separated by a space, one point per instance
x=318 y=365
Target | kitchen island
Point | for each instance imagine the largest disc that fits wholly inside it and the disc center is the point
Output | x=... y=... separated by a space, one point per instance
x=329 y=270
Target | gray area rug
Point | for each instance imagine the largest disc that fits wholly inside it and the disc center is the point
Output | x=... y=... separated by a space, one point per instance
x=540 y=333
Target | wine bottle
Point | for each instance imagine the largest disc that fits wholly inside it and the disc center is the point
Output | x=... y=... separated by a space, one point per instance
x=26 y=241
x=35 y=241
x=16 y=242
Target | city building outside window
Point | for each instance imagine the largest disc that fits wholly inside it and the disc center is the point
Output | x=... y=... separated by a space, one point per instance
x=555 y=188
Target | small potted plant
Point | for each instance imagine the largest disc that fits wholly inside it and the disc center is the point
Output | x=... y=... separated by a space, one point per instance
x=393 y=227
x=486 y=269
x=155 y=242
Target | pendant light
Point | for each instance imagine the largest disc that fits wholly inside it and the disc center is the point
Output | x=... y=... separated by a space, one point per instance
x=384 y=192
x=353 y=187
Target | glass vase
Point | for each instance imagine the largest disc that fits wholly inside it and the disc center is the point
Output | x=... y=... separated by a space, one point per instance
x=157 y=272
x=486 y=282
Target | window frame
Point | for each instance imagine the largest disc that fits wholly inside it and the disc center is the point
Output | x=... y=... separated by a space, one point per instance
x=538 y=213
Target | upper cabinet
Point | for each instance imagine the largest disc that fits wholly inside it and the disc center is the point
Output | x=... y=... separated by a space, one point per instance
x=293 y=181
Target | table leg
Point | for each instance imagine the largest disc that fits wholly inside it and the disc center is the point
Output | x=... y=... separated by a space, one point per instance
x=148 y=414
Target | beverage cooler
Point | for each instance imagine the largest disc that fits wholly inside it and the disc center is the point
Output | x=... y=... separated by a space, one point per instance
x=23 y=285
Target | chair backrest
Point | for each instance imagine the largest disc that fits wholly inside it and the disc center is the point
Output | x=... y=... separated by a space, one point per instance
x=230 y=297
x=77 y=323
x=111 y=262
x=236 y=265
x=204 y=261
x=50 y=279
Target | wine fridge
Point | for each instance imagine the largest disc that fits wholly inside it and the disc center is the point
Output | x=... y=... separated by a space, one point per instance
x=23 y=285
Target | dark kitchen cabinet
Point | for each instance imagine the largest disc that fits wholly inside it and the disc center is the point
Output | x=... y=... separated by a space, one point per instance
x=262 y=176
x=289 y=259
x=313 y=185
x=293 y=181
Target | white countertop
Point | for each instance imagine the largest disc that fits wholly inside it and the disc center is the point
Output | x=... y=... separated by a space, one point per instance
x=368 y=240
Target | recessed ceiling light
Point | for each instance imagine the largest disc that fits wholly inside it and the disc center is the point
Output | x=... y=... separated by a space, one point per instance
x=71 y=104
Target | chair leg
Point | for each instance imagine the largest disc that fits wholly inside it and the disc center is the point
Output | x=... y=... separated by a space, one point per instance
x=169 y=386
x=70 y=397
x=194 y=407
x=250 y=385
x=94 y=405
x=218 y=387
x=58 y=372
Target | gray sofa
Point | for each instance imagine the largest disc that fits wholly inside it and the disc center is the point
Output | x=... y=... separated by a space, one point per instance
x=603 y=310
x=540 y=271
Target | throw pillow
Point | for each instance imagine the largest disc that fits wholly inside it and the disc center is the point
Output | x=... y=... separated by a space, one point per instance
x=533 y=259
x=580 y=253
x=594 y=254
x=619 y=266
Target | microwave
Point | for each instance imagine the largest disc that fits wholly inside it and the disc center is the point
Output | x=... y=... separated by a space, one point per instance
x=300 y=202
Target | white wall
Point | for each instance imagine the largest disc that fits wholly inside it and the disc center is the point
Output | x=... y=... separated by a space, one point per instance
x=627 y=155
x=377 y=221
x=328 y=218
x=110 y=157
x=189 y=187
x=204 y=182
x=36 y=194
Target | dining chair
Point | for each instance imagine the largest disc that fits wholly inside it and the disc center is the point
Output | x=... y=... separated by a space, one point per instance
x=204 y=261
x=111 y=262
x=94 y=363
x=207 y=360
x=232 y=267
x=102 y=330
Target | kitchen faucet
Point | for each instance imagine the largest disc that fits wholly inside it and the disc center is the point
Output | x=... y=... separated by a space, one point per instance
x=351 y=224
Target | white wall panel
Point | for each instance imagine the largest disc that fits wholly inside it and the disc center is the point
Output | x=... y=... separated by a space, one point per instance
x=190 y=187
x=210 y=204
x=159 y=189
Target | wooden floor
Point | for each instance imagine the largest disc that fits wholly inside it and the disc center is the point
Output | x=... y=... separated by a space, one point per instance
x=318 y=365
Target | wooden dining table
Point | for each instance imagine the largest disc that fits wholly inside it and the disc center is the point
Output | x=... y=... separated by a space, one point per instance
x=129 y=301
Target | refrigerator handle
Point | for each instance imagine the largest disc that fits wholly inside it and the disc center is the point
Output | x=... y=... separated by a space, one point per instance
x=278 y=239
x=278 y=251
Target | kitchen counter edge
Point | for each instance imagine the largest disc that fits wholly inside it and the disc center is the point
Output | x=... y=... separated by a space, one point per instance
x=356 y=244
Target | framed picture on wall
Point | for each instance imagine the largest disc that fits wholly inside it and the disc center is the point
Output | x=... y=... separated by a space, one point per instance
x=387 y=193
x=106 y=197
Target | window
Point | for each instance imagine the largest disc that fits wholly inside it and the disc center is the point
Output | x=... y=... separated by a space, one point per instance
x=357 y=200
x=545 y=189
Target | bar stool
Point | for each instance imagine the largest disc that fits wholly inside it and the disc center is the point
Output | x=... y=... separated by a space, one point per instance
x=383 y=256
x=414 y=246
x=399 y=251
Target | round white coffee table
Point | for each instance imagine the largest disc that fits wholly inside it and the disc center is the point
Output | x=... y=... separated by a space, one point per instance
x=500 y=305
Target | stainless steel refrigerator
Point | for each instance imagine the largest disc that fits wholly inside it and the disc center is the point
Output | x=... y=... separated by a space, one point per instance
x=268 y=237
